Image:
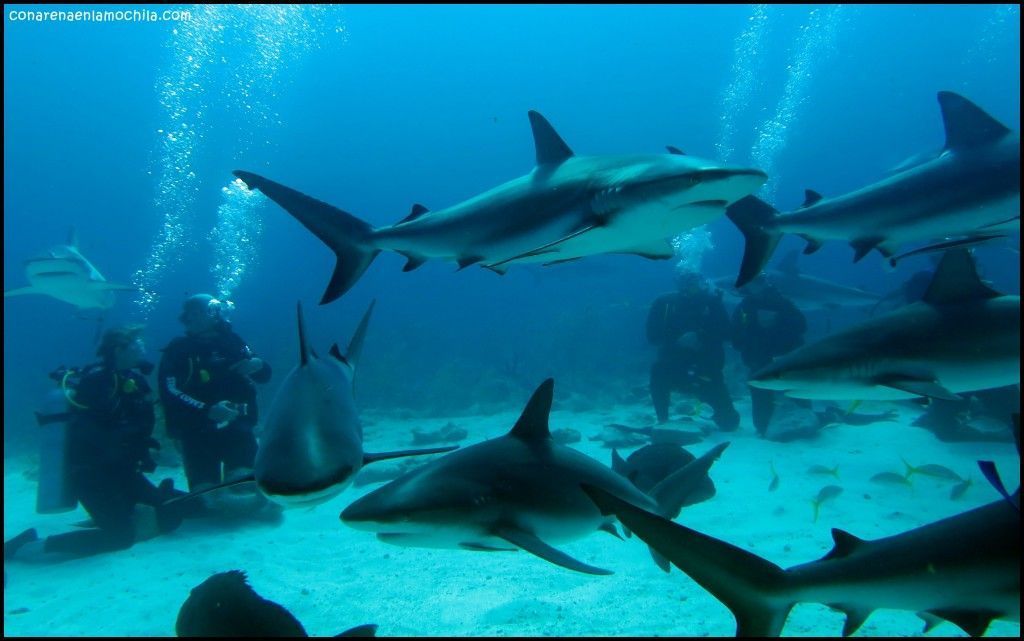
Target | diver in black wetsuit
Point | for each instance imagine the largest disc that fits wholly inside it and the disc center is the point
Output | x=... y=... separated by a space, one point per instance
x=764 y=325
x=110 y=427
x=206 y=382
x=690 y=327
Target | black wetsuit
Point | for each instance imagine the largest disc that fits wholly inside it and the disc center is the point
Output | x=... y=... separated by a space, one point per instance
x=758 y=342
x=109 y=437
x=695 y=371
x=195 y=373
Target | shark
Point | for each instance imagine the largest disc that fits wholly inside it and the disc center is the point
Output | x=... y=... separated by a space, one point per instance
x=962 y=336
x=520 y=491
x=805 y=291
x=311 y=446
x=967 y=190
x=964 y=569
x=566 y=208
x=65 y=274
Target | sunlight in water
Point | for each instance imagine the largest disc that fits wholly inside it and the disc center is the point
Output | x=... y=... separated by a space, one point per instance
x=225 y=65
x=816 y=41
x=746 y=70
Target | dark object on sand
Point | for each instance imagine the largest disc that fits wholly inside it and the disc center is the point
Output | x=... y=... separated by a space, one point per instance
x=225 y=605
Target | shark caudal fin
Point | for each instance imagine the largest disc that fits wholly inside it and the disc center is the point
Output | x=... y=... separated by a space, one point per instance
x=751 y=587
x=345 y=234
x=755 y=219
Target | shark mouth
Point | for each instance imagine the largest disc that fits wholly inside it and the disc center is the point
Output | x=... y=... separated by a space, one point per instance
x=299 y=492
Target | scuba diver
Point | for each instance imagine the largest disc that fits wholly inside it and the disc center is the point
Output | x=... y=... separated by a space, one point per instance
x=108 y=438
x=206 y=382
x=689 y=328
x=764 y=325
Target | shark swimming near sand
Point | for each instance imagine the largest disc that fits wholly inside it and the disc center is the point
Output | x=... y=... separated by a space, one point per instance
x=567 y=208
x=967 y=190
x=962 y=336
x=517 y=491
x=65 y=274
x=964 y=569
x=311 y=446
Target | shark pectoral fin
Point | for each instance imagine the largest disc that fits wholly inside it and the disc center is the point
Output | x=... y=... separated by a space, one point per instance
x=855 y=616
x=368 y=630
x=931 y=389
x=973 y=622
x=660 y=560
x=369 y=457
x=535 y=546
x=988 y=470
x=21 y=291
x=547 y=248
x=660 y=249
x=610 y=528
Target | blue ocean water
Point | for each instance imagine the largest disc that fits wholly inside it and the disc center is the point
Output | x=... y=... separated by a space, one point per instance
x=128 y=130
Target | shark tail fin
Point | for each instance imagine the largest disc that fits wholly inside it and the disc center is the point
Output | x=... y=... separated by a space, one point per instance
x=751 y=587
x=756 y=220
x=349 y=237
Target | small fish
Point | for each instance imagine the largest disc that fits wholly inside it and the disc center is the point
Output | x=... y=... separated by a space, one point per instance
x=933 y=470
x=825 y=494
x=959 y=489
x=891 y=478
x=821 y=469
x=774 y=484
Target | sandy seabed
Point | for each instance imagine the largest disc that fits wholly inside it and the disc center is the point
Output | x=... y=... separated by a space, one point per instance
x=332 y=577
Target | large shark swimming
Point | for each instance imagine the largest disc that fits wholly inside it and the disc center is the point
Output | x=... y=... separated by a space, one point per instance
x=65 y=274
x=962 y=336
x=518 y=491
x=964 y=569
x=568 y=207
x=967 y=190
x=311 y=445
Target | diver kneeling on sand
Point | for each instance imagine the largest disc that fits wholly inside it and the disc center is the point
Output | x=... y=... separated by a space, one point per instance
x=109 y=427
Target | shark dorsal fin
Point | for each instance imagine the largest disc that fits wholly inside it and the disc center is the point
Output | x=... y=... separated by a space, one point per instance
x=533 y=422
x=811 y=197
x=790 y=264
x=417 y=211
x=73 y=237
x=355 y=346
x=966 y=123
x=551 y=149
x=675 y=151
x=956 y=279
x=303 y=347
x=845 y=544
x=618 y=463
